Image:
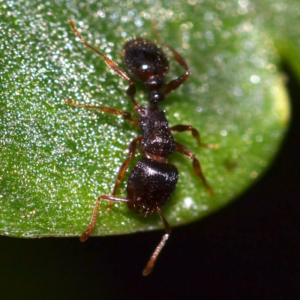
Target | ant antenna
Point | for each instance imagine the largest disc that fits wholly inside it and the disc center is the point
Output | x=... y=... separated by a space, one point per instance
x=131 y=89
x=108 y=61
x=150 y=264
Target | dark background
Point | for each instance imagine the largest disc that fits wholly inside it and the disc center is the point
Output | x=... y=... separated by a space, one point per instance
x=249 y=250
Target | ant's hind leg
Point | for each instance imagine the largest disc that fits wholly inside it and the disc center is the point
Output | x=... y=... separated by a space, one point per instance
x=195 y=133
x=196 y=164
x=91 y=226
x=151 y=262
x=113 y=111
x=124 y=167
x=112 y=198
x=111 y=64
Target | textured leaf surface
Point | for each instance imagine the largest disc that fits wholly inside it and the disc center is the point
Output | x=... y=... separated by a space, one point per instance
x=56 y=159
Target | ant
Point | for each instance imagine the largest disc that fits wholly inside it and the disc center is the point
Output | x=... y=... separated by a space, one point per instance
x=152 y=180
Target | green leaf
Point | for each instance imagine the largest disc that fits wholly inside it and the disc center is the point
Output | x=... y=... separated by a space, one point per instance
x=56 y=159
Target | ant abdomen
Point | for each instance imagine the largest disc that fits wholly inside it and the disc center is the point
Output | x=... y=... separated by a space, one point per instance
x=145 y=60
x=150 y=185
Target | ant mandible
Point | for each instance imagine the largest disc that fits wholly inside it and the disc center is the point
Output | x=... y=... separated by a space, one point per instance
x=152 y=180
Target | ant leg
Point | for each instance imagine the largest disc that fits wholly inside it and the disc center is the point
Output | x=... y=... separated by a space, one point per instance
x=150 y=264
x=124 y=167
x=113 y=197
x=196 y=164
x=88 y=231
x=174 y=84
x=112 y=65
x=113 y=111
x=195 y=133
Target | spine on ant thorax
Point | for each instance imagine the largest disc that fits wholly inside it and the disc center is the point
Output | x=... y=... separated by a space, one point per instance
x=157 y=138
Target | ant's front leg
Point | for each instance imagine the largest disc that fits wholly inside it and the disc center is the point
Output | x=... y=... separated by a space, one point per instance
x=113 y=111
x=195 y=133
x=196 y=164
x=174 y=84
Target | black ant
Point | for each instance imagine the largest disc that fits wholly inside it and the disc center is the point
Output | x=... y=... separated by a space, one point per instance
x=152 y=180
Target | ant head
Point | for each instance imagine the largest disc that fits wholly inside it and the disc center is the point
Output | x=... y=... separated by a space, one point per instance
x=145 y=60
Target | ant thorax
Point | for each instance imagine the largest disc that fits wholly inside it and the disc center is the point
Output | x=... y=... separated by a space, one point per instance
x=157 y=140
